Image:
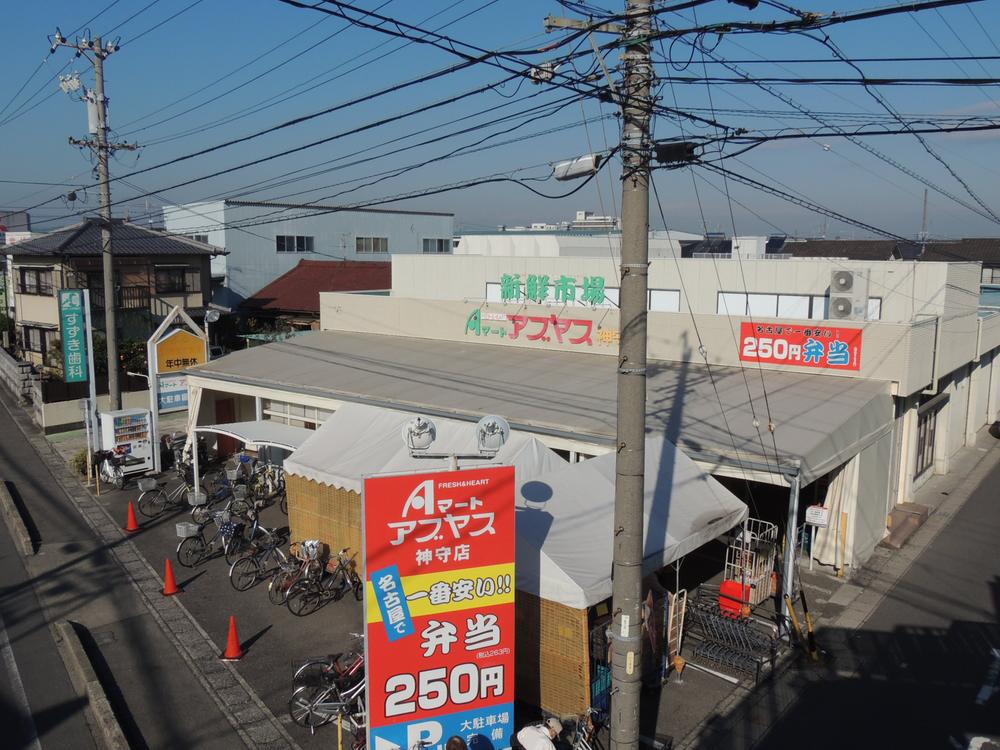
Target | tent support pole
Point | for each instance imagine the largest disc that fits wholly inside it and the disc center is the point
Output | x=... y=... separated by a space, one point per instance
x=788 y=568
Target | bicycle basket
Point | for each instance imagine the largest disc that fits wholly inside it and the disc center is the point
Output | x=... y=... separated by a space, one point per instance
x=147 y=484
x=232 y=474
x=197 y=498
x=240 y=492
x=187 y=529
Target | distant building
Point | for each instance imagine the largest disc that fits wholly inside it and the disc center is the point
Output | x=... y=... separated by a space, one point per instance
x=535 y=243
x=590 y=221
x=265 y=240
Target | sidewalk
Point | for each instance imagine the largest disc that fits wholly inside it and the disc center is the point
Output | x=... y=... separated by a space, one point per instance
x=744 y=715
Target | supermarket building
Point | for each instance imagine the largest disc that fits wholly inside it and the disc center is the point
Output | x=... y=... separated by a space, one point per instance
x=902 y=380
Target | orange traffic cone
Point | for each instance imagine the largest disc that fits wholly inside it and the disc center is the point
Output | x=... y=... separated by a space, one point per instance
x=131 y=525
x=169 y=584
x=233 y=651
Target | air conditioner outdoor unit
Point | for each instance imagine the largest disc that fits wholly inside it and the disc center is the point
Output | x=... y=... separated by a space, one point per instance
x=848 y=295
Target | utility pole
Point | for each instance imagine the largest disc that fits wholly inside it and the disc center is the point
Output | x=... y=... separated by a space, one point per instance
x=100 y=145
x=923 y=224
x=634 y=97
x=626 y=592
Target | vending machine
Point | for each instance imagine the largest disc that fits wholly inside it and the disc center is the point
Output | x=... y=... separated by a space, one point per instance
x=127 y=433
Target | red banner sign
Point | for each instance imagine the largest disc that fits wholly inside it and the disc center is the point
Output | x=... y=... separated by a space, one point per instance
x=803 y=346
x=439 y=614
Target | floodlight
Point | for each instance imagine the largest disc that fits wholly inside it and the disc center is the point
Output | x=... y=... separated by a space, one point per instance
x=419 y=433
x=491 y=433
x=212 y=316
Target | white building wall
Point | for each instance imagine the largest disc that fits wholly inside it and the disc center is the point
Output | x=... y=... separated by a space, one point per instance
x=253 y=260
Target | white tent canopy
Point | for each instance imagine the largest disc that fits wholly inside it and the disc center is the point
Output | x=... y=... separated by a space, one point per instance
x=359 y=440
x=263 y=432
x=565 y=522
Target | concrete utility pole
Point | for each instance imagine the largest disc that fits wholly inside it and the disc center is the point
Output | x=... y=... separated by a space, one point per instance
x=626 y=592
x=103 y=149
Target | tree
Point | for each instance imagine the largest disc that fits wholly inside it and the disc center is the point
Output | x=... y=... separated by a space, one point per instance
x=132 y=355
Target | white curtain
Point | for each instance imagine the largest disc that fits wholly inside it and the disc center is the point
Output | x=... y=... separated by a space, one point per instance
x=841 y=498
x=194 y=406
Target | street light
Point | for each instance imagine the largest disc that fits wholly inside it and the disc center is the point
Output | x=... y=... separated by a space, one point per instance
x=211 y=316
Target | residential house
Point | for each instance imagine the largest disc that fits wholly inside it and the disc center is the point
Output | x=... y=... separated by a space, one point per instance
x=293 y=298
x=153 y=272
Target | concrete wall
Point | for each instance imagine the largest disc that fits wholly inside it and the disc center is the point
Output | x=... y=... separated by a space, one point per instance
x=557 y=244
x=63 y=416
x=907 y=289
x=891 y=351
x=200 y=218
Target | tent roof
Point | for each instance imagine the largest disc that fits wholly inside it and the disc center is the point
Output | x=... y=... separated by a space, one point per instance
x=359 y=440
x=822 y=420
x=264 y=432
x=565 y=520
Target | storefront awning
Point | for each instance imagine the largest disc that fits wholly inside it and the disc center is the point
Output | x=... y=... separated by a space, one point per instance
x=358 y=441
x=264 y=432
x=719 y=417
x=564 y=520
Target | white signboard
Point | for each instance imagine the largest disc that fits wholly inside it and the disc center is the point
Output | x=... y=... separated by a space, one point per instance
x=817 y=515
x=172 y=393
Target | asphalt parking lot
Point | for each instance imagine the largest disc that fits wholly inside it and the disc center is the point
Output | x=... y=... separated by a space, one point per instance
x=274 y=640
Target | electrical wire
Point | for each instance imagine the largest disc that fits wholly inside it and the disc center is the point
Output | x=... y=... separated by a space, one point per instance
x=154 y=27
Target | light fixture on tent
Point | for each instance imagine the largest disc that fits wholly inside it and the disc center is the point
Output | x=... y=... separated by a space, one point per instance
x=491 y=434
x=419 y=433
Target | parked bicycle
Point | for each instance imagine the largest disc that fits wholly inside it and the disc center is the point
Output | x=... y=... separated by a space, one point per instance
x=196 y=546
x=345 y=576
x=290 y=573
x=308 y=594
x=234 y=498
x=264 y=559
x=325 y=689
x=111 y=467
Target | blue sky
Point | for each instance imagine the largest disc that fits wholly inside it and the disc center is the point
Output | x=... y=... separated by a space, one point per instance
x=286 y=62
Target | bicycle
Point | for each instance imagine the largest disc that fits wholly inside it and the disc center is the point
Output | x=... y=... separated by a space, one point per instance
x=193 y=549
x=234 y=497
x=290 y=573
x=324 y=689
x=249 y=569
x=112 y=468
x=345 y=576
x=587 y=727
x=307 y=594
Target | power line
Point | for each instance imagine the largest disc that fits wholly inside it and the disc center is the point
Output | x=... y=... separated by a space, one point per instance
x=154 y=27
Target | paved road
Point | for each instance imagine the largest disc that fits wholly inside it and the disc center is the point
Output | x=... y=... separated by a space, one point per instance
x=74 y=576
x=918 y=673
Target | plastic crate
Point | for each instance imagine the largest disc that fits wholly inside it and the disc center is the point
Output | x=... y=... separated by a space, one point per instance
x=147 y=484
x=187 y=529
x=197 y=498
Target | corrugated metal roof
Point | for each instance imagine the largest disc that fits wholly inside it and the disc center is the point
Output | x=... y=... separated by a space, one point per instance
x=129 y=239
x=819 y=418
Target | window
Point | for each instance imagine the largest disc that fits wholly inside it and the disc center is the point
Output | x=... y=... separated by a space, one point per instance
x=991 y=275
x=295 y=415
x=435 y=246
x=786 y=306
x=926 y=432
x=293 y=243
x=199 y=238
x=372 y=245
x=35 y=281
x=177 y=280
x=664 y=300
x=36 y=339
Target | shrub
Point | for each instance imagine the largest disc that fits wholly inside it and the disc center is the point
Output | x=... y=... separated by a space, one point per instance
x=79 y=462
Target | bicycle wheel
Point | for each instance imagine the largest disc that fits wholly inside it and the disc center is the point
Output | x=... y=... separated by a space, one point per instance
x=152 y=503
x=236 y=546
x=277 y=589
x=239 y=507
x=358 y=585
x=200 y=514
x=244 y=573
x=304 y=598
x=284 y=502
x=306 y=706
x=191 y=551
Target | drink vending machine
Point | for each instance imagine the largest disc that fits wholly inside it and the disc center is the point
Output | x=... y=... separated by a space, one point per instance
x=128 y=433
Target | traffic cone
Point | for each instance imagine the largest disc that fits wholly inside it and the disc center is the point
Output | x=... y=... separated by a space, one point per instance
x=169 y=584
x=131 y=525
x=233 y=651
